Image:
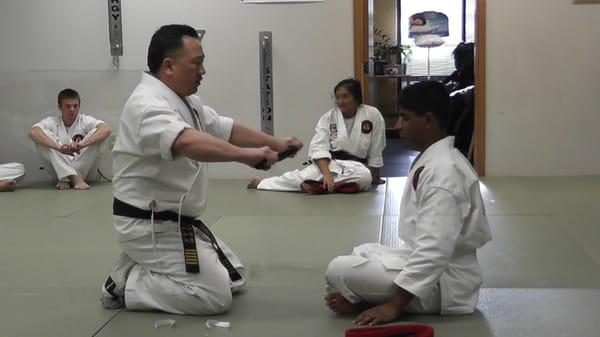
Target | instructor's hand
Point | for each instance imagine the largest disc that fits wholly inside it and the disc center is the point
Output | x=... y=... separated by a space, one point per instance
x=286 y=143
x=255 y=156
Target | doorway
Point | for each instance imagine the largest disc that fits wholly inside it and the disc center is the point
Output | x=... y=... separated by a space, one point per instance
x=389 y=57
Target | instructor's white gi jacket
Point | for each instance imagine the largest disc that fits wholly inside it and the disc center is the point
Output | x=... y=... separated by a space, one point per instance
x=366 y=141
x=442 y=223
x=144 y=166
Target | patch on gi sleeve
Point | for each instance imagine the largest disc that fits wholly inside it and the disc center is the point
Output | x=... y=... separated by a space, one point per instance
x=366 y=127
x=333 y=128
x=415 y=180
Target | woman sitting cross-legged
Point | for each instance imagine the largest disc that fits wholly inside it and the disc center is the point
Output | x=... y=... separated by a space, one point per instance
x=345 y=152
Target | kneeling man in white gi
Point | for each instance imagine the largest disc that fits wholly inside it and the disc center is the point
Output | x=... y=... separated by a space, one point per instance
x=345 y=152
x=70 y=144
x=442 y=224
x=10 y=175
x=171 y=261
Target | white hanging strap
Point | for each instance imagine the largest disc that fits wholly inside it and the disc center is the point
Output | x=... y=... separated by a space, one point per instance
x=153 y=206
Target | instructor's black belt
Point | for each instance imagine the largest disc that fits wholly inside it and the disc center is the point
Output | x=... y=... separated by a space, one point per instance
x=343 y=155
x=187 y=235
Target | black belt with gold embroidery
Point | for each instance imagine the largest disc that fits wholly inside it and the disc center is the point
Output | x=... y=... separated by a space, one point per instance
x=187 y=235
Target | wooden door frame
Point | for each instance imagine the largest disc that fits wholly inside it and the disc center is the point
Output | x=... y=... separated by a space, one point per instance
x=361 y=43
x=361 y=53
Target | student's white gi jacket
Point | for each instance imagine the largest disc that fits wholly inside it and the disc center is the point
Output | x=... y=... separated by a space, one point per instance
x=55 y=128
x=442 y=223
x=366 y=141
x=145 y=168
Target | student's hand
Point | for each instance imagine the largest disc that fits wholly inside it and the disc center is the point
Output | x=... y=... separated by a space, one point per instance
x=377 y=181
x=64 y=149
x=328 y=182
x=376 y=177
x=67 y=149
x=75 y=147
x=263 y=155
x=79 y=146
x=380 y=314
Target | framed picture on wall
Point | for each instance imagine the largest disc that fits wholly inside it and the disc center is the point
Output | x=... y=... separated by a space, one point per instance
x=586 y=2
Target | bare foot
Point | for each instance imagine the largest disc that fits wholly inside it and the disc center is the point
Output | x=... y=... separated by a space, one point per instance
x=78 y=183
x=7 y=185
x=253 y=184
x=338 y=304
x=63 y=185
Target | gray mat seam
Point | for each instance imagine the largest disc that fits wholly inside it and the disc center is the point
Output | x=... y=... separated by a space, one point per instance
x=107 y=322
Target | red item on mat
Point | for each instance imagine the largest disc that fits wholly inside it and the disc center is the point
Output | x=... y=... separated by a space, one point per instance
x=405 y=330
x=316 y=187
x=312 y=187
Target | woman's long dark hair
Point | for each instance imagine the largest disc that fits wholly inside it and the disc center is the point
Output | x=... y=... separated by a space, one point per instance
x=354 y=88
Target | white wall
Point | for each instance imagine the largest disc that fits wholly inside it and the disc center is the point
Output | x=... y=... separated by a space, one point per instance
x=543 y=88
x=50 y=45
x=543 y=107
x=385 y=88
x=385 y=18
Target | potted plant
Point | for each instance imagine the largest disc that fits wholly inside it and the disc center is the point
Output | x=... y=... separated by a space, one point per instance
x=397 y=57
x=381 y=46
x=389 y=56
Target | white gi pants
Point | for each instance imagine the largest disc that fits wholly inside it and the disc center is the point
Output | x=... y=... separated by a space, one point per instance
x=158 y=280
x=12 y=171
x=362 y=277
x=85 y=164
x=343 y=171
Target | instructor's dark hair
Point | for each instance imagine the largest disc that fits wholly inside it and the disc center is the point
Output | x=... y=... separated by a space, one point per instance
x=353 y=86
x=167 y=41
x=68 y=94
x=427 y=96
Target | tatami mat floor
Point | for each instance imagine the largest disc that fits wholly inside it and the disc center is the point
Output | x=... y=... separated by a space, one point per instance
x=541 y=271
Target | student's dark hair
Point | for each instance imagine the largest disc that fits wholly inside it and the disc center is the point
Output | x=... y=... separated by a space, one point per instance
x=464 y=60
x=427 y=96
x=354 y=88
x=68 y=94
x=165 y=42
